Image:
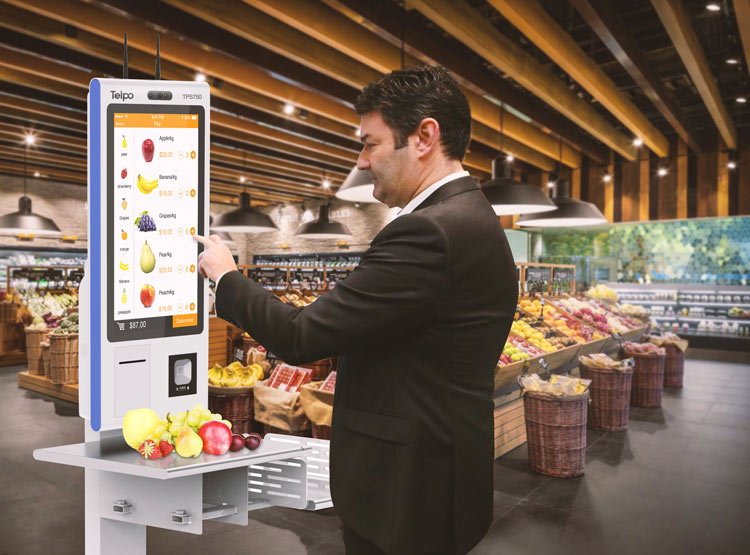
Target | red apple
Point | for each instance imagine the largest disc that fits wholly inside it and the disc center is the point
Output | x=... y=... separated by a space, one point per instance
x=147 y=295
x=148 y=150
x=238 y=442
x=216 y=436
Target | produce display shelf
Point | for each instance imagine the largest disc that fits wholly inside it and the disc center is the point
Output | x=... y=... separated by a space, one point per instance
x=40 y=384
x=114 y=455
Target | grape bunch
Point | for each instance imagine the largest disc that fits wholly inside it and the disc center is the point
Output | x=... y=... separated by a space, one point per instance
x=145 y=222
x=169 y=428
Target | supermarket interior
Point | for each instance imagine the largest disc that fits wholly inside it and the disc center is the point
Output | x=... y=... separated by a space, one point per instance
x=613 y=146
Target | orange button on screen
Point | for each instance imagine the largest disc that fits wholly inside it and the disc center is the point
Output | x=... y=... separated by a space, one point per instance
x=184 y=320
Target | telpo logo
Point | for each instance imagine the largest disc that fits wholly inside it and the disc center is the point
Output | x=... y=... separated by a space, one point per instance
x=122 y=95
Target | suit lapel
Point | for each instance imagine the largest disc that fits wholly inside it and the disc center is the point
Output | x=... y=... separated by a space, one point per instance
x=455 y=187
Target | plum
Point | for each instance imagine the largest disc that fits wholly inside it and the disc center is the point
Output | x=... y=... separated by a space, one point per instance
x=238 y=442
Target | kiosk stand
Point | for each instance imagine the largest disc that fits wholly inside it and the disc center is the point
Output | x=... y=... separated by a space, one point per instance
x=144 y=333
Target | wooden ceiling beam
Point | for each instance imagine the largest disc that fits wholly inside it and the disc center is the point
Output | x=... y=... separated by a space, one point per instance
x=742 y=13
x=42 y=35
x=601 y=17
x=36 y=118
x=327 y=25
x=388 y=20
x=677 y=24
x=42 y=108
x=18 y=132
x=35 y=81
x=465 y=23
x=37 y=156
x=18 y=169
x=532 y=20
x=141 y=37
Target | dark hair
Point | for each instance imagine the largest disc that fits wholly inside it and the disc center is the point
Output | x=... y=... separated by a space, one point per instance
x=407 y=96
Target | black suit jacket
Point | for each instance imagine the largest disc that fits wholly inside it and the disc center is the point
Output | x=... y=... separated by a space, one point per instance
x=419 y=327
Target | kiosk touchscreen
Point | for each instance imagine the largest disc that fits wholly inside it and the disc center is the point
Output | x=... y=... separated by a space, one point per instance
x=148 y=195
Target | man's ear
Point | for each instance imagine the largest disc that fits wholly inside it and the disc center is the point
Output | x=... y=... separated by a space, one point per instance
x=428 y=137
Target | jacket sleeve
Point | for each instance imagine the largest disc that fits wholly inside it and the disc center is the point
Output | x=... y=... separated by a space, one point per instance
x=396 y=288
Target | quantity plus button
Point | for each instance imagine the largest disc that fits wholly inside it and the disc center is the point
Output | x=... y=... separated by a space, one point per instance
x=184 y=320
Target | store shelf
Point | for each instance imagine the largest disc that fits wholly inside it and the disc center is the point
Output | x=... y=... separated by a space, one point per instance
x=720 y=305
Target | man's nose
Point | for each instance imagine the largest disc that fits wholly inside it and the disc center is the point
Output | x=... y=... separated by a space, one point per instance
x=363 y=163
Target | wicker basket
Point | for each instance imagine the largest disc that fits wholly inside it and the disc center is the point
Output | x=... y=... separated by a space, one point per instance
x=556 y=433
x=610 y=397
x=674 y=366
x=321 y=368
x=271 y=430
x=34 y=339
x=648 y=380
x=234 y=404
x=45 y=359
x=321 y=432
x=63 y=358
x=8 y=312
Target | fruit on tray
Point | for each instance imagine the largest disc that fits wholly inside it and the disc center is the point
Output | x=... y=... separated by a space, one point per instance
x=147 y=148
x=642 y=349
x=252 y=441
x=145 y=186
x=238 y=442
x=150 y=450
x=532 y=335
x=144 y=222
x=148 y=260
x=188 y=443
x=165 y=447
x=601 y=291
x=138 y=425
x=235 y=375
x=216 y=436
x=147 y=295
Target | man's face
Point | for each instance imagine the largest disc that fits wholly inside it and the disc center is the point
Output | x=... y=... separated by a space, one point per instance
x=391 y=169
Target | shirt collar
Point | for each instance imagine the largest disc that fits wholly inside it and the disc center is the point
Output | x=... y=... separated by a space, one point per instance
x=421 y=197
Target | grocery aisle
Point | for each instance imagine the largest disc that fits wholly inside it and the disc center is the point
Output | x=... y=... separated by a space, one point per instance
x=676 y=482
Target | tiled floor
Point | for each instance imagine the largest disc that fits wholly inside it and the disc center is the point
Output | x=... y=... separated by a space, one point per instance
x=678 y=481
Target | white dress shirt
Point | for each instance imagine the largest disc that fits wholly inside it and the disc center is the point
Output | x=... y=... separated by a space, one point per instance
x=421 y=197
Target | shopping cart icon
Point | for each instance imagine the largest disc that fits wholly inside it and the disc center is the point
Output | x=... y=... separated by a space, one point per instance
x=121 y=325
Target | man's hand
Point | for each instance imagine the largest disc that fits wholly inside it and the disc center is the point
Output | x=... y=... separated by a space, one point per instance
x=216 y=259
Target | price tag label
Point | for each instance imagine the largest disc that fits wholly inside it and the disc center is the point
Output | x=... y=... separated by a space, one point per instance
x=543 y=363
x=617 y=336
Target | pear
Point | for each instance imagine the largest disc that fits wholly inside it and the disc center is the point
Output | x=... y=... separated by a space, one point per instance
x=148 y=260
x=138 y=425
x=188 y=443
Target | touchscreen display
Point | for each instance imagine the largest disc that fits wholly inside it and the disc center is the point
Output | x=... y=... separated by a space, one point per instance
x=155 y=207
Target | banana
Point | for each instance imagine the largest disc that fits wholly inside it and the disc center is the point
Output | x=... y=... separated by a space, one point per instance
x=124 y=267
x=145 y=186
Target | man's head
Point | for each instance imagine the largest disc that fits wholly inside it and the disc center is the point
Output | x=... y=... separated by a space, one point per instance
x=416 y=124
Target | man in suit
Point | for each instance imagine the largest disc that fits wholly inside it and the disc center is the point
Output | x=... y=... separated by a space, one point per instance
x=418 y=327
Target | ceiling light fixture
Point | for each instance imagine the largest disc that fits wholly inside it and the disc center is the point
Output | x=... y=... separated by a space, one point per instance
x=741 y=99
x=288 y=109
x=200 y=77
x=323 y=227
x=713 y=7
x=244 y=219
x=637 y=142
x=607 y=178
x=733 y=61
x=24 y=221
x=731 y=164
x=36 y=174
x=223 y=235
x=357 y=187
x=661 y=172
x=570 y=212
x=510 y=158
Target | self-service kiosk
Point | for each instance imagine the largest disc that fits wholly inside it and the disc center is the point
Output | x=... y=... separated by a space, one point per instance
x=144 y=329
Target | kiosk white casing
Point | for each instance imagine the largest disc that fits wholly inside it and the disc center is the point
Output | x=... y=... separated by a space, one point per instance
x=133 y=362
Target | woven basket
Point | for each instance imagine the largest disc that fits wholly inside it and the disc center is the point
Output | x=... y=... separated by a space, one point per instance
x=271 y=430
x=45 y=359
x=556 y=433
x=63 y=358
x=321 y=432
x=235 y=406
x=321 y=368
x=34 y=339
x=648 y=380
x=610 y=397
x=674 y=366
x=8 y=312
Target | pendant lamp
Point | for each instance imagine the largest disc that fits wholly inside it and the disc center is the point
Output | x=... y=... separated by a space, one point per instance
x=323 y=227
x=25 y=221
x=357 y=187
x=508 y=196
x=223 y=235
x=570 y=212
x=244 y=219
